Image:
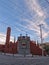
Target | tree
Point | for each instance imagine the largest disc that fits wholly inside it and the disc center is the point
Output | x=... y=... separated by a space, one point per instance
x=47 y=49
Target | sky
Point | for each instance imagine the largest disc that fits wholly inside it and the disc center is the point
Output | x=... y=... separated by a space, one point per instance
x=24 y=17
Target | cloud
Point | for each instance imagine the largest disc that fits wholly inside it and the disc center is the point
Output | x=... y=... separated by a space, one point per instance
x=45 y=35
x=34 y=26
x=3 y=38
x=33 y=5
x=38 y=18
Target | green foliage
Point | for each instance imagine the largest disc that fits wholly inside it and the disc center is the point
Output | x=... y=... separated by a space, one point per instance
x=47 y=49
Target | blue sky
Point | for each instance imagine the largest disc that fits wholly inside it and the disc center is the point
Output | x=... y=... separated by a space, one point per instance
x=24 y=16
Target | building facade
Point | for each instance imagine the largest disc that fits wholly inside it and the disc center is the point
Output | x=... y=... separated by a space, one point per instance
x=23 y=45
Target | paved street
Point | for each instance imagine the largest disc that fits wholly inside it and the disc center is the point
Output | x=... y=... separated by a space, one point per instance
x=20 y=60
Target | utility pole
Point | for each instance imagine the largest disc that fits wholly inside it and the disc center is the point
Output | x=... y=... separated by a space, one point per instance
x=40 y=25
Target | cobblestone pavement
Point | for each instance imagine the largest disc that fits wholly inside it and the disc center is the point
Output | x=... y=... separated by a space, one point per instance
x=16 y=60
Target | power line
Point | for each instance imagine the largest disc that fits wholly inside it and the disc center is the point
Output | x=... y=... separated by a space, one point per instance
x=47 y=1
x=14 y=26
x=15 y=13
x=13 y=9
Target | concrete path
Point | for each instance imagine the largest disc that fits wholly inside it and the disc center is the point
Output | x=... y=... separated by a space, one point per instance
x=20 y=60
